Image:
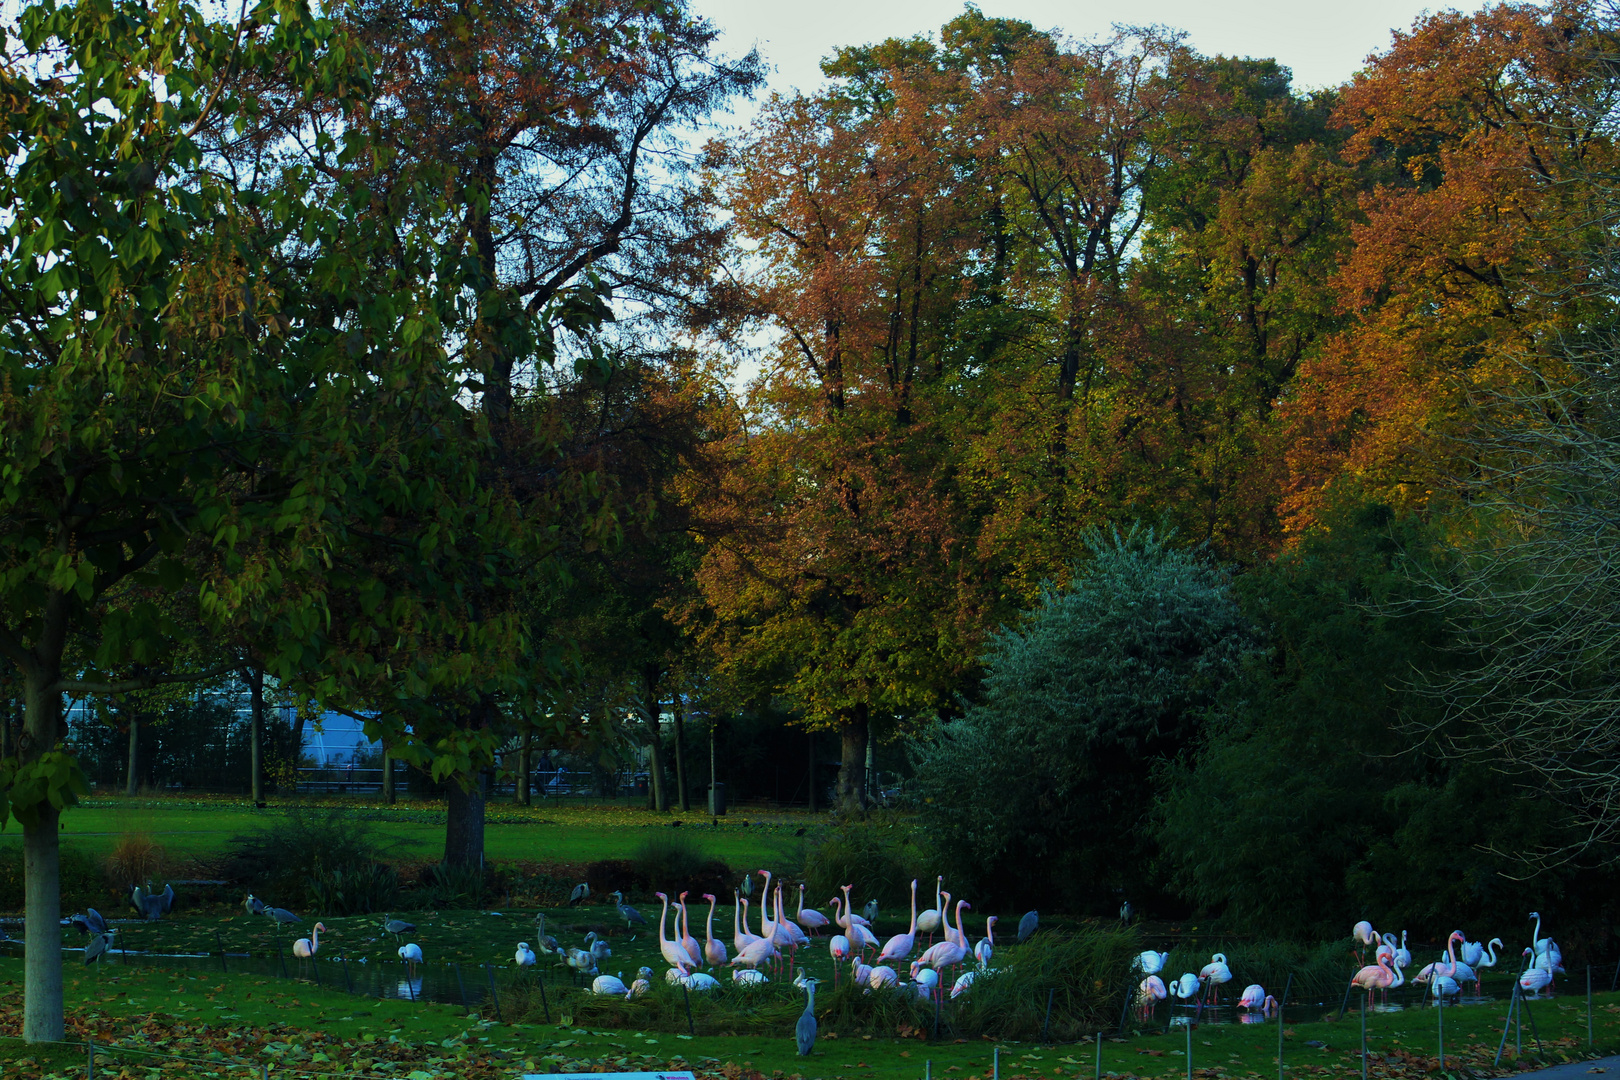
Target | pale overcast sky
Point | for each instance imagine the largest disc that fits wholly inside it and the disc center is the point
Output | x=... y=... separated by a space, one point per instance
x=1323 y=42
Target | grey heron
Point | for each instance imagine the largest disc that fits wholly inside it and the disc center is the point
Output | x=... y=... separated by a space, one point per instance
x=805 y=1031
x=97 y=946
x=631 y=916
x=581 y=893
x=398 y=927
x=1027 y=925
x=152 y=906
x=253 y=905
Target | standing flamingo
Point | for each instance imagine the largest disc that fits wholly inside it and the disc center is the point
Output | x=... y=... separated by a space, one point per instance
x=929 y=920
x=1547 y=953
x=1253 y=998
x=1150 y=990
x=899 y=947
x=674 y=951
x=688 y=942
x=713 y=951
x=862 y=938
x=945 y=926
x=1379 y=976
x=1217 y=973
x=1534 y=978
x=987 y=944
x=1184 y=987
x=809 y=918
x=1149 y=962
x=305 y=948
x=849 y=918
x=741 y=936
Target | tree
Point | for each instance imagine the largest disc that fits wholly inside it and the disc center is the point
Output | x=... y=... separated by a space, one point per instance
x=1043 y=787
x=180 y=384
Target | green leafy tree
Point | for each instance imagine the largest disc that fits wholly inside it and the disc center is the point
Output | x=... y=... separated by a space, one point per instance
x=1043 y=788
x=182 y=369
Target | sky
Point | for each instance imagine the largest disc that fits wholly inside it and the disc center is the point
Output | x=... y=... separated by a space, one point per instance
x=1324 y=43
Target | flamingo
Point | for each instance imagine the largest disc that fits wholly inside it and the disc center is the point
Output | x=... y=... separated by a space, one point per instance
x=1364 y=933
x=306 y=947
x=702 y=982
x=524 y=957
x=946 y=952
x=838 y=945
x=849 y=917
x=883 y=975
x=1403 y=955
x=674 y=952
x=1455 y=969
x=1184 y=987
x=1547 y=953
x=809 y=918
x=741 y=937
x=1388 y=946
x=1444 y=986
x=945 y=927
x=713 y=951
x=1253 y=997
x=1151 y=989
x=788 y=931
x=1149 y=962
x=688 y=942
x=750 y=977
x=642 y=984
x=1216 y=972
x=987 y=945
x=963 y=984
x=597 y=946
x=1379 y=976
x=610 y=986
x=756 y=953
x=859 y=969
x=929 y=920
x=899 y=947
x=1534 y=978
x=411 y=953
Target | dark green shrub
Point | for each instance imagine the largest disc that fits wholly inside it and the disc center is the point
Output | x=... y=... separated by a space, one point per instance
x=83 y=882
x=667 y=857
x=360 y=889
x=447 y=886
x=305 y=856
x=870 y=856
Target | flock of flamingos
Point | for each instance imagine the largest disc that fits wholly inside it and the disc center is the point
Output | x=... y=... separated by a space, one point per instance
x=1445 y=978
x=779 y=939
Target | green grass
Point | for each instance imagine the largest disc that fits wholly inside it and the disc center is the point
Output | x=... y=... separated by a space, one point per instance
x=191 y=828
x=296 y=1024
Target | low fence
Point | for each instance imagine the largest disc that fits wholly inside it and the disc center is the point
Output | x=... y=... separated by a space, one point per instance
x=543 y=783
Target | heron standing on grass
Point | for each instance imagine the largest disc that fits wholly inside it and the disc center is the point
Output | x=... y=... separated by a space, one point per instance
x=581 y=893
x=631 y=916
x=805 y=1032
x=398 y=927
x=97 y=947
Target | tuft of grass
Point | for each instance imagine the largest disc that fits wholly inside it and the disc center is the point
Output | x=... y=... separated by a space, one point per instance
x=311 y=856
x=134 y=860
x=669 y=856
x=868 y=856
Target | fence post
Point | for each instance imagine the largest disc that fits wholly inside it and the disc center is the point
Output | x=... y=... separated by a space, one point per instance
x=541 y=981
x=1046 y=1024
x=90 y=1057
x=462 y=987
x=1507 y=1022
x=1440 y=1011
x=686 y=995
x=1282 y=1003
x=995 y=1064
x=1189 y=1049
x=348 y=983
x=494 y=998
x=1363 y=1042
x=220 y=939
x=1099 y=1055
x=1589 y=1005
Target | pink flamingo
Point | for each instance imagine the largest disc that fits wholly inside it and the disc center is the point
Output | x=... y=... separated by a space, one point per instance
x=944 y=953
x=862 y=938
x=849 y=918
x=688 y=942
x=839 y=946
x=899 y=947
x=1253 y=997
x=945 y=927
x=713 y=951
x=987 y=945
x=929 y=920
x=674 y=951
x=1151 y=990
x=740 y=935
x=1380 y=976
x=809 y=918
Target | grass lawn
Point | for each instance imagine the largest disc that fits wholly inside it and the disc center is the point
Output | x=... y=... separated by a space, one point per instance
x=294 y=1026
x=547 y=832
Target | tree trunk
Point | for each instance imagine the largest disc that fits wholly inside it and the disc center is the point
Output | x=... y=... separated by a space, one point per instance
x=388 y=776
x=680 y=757
x=464 y=825
x=522 y=796
x=657 y=790
x=42 y=878
x=812 y=772
x=132 y=782
x=256 y=710
x=852 y=769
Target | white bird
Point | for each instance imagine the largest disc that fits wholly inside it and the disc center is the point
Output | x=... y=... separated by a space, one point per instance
x=673 y=950
x=928 y=921
x=963 y=984
x=1547 y=953
x=849 y=918
x=1253 y=997
x=701 y=982
x=609 y=986
x=1535 y=979
x=411 y=953
x=860 y=970
x=714 y=951
x=748 y=977
x=883 y=975
x=1184 y=987
x=839 y=946
x=928 y=978
x=740 y=935
x=758 y=952
x=1364 y=933
x=986 y=948
x=581 y=961
x=599 y=949
x=643 y=982
x=1403 y=955
x=676 y=976
x=1151 y=989
x=809 y=918
x=1150 y=962
x=524 y=955
x=899 y=947
x=1217 y=973
x=693 y=949
x=305 y=948
x=1444 y=986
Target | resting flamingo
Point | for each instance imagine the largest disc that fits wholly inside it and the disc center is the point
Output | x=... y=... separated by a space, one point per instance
x=673 y=950
x=1184 y=987
x=899 y=947
x=713 y=951
x=1149 y=962
x=809 y=918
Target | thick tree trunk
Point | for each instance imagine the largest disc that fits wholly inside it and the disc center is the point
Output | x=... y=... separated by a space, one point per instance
x=524 y=764
x=256 y=711
x=852 y=768
x=680 y=757
x=132 y=781
x=464 y=825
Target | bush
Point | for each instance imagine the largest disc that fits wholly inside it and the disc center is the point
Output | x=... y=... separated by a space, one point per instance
x=135 y=860
x=673 y=862
x=84 y=883
x=311 y=857
x=868 y=856
x=445 y=886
